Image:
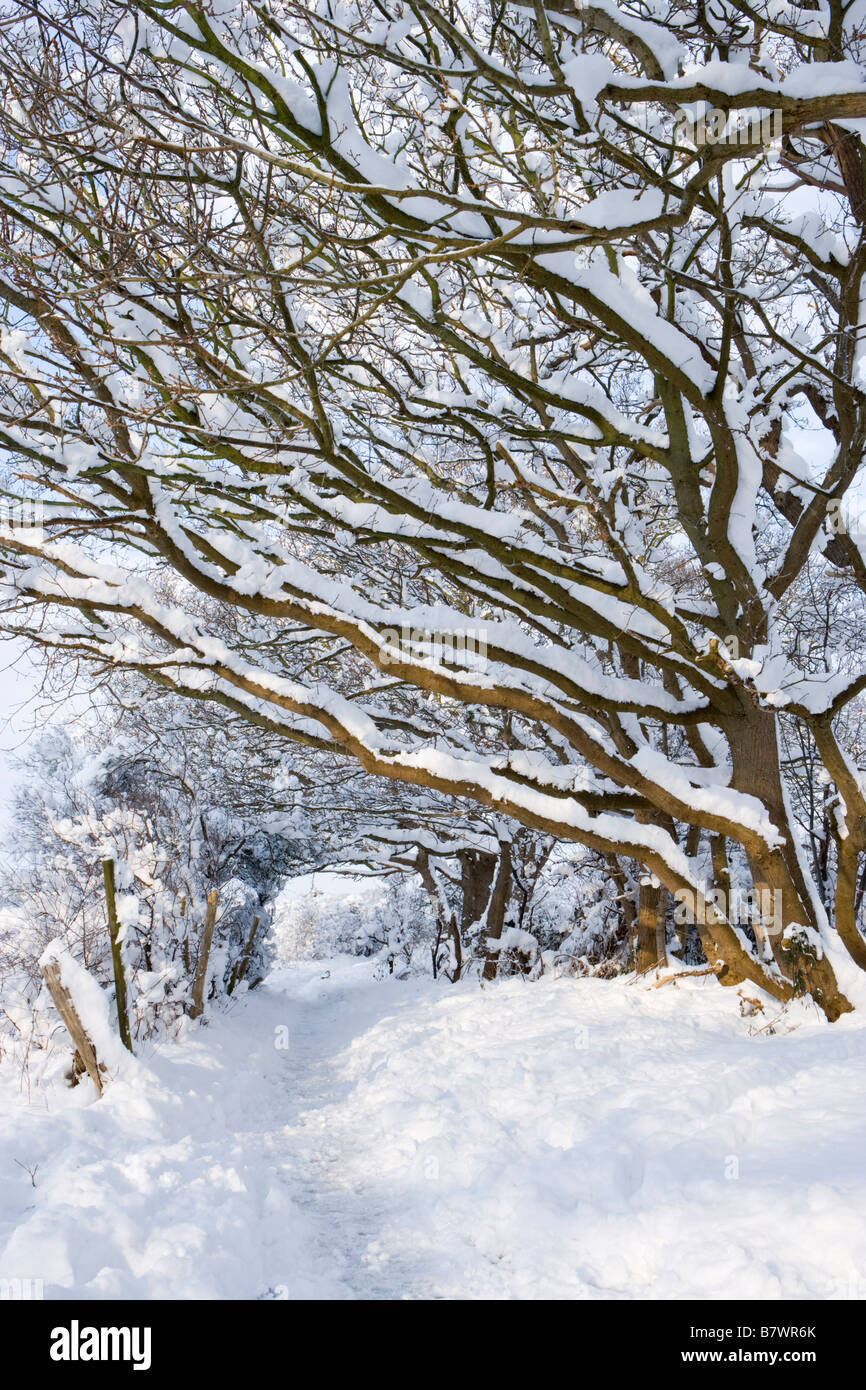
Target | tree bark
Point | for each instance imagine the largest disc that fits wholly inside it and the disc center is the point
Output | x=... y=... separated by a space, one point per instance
x=241 y=966
x=477 y=870
x=197 y=1008
x=496 y=909
x=754 y=748
x=650 y=944
x=847 y=862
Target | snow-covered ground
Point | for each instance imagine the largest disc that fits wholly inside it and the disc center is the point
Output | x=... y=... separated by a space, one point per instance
x=339 y=1136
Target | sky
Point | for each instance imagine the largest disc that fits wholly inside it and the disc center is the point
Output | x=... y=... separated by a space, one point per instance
x=18 y=722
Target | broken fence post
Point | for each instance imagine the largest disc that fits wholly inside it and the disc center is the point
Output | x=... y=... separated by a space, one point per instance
x=68 y=1012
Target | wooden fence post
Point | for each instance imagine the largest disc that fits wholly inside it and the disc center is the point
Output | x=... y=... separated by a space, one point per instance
x=68 y=1012
x=116 y=954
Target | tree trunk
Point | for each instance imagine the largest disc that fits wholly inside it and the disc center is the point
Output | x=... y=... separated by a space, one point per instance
x=754 y=749
x=847 y=862
x=477 y=870
x=651 y=945
x=496 y=909
x=241 y=966
x=198 y=987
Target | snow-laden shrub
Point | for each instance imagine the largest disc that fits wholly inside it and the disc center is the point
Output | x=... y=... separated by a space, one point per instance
x=323 y=915
x=577 y=914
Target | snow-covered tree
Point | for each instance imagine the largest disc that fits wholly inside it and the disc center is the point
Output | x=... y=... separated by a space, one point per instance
x=473 y=349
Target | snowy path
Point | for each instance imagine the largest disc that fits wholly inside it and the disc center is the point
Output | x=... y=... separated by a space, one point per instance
x=574 y=1139
x=308 y=1150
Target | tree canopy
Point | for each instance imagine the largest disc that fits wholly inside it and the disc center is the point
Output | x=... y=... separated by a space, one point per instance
x=414 y=380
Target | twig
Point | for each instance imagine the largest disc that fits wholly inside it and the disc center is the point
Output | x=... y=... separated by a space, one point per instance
x=31 y=1171
x=685 y=975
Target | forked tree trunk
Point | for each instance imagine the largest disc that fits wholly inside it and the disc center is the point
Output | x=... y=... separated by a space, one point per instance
x=446 y=923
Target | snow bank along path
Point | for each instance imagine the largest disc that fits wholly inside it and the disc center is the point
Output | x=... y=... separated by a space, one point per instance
x=574 y=1139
